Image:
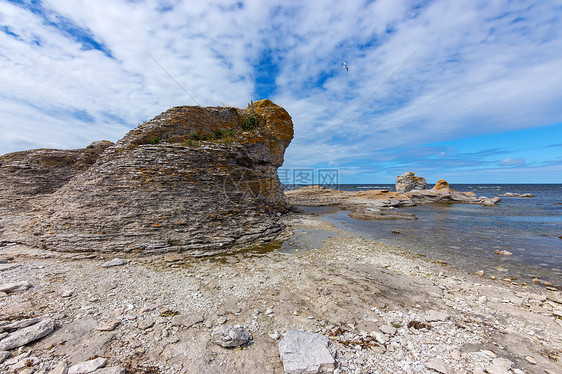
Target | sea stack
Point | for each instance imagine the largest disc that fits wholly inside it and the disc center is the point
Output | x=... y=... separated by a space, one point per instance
x=408 y=182
x=191 y=179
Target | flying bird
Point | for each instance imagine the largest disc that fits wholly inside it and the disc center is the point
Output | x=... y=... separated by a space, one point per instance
x=345 y=66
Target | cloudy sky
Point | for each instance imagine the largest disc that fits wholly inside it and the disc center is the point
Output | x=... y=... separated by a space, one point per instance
x=467 y=90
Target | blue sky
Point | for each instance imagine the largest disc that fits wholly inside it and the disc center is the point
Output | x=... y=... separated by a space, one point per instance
x=469 y=91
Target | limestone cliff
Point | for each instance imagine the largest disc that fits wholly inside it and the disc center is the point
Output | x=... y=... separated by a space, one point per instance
x=192 y=178
x=28 y=174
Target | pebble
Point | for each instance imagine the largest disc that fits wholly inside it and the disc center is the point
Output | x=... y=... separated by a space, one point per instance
x=115 y=262
x=435 y=316
x=173 y=257
x=88 y=366
x=503 y=253
x=496 y=369
x=531 y=360
x=388 y=329
x=438 y=366
x=488 y=353
x=109 y=325
x=379 y=336
x=230 y=336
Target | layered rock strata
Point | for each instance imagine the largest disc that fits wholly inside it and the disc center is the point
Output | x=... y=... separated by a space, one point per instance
x=192 y=178
x=28 y=174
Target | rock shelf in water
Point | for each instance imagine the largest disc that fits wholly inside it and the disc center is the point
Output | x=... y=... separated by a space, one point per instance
x=379 y=204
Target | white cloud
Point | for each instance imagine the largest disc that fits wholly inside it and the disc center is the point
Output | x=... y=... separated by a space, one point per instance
x=478 y=68
x=512 y=162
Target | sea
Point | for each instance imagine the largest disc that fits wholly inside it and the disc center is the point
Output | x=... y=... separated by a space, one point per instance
x=467 y=236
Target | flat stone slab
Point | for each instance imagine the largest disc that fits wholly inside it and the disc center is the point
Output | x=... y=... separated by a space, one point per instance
x=4 y=267
x=114 y=262
x=435 y=316
x=27 y=335
x=88 y=366
x=304 y=352
x=14 y=286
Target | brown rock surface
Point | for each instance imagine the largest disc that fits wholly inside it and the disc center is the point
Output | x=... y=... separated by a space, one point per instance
x=190 y=179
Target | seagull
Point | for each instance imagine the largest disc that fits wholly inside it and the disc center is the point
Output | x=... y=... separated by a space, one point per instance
x=345 y=66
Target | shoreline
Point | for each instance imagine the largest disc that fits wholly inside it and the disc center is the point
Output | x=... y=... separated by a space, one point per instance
x=349 y=289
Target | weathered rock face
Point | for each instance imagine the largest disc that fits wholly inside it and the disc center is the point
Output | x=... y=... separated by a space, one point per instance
x=408 y=182
x=190 y=179
x=41 y=171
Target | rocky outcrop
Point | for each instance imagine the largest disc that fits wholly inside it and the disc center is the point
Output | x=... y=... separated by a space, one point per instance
x=380 y=204
x=28 y=174
x=191 y=179
x=408 y=182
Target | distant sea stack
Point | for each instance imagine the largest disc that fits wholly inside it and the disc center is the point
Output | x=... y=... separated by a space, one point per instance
x=191 y=179
x=408 y=182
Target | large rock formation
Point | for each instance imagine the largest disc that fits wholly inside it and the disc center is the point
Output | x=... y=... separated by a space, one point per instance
x=192 y=178
x=408 y=182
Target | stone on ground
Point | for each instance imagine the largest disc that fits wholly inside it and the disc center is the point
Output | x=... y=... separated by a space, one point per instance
x=230 y=336
x=304 y=352
x=114 y=262
x=27 y=335
x=88 y=366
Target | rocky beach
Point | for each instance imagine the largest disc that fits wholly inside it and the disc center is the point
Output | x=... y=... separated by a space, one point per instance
x=367 y=307
x=175 y=250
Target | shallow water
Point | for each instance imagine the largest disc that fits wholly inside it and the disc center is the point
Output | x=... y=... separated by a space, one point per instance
x=467 y=236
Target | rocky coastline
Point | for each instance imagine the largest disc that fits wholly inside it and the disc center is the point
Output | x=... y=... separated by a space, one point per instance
x=380 y=204
x=166 y=252
x=348 y=305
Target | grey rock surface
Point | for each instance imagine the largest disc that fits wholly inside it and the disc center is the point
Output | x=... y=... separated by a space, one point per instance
x=408 y=182
x=14 y=286
x=28 y=174
x=304 y=352
x=4 y=355
x=88 y=366
x=114 y=262
x=60 y=368
x=230 y=336
x=27 y=335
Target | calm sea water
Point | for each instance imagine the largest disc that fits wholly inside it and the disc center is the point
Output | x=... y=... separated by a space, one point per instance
x=467 y=236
